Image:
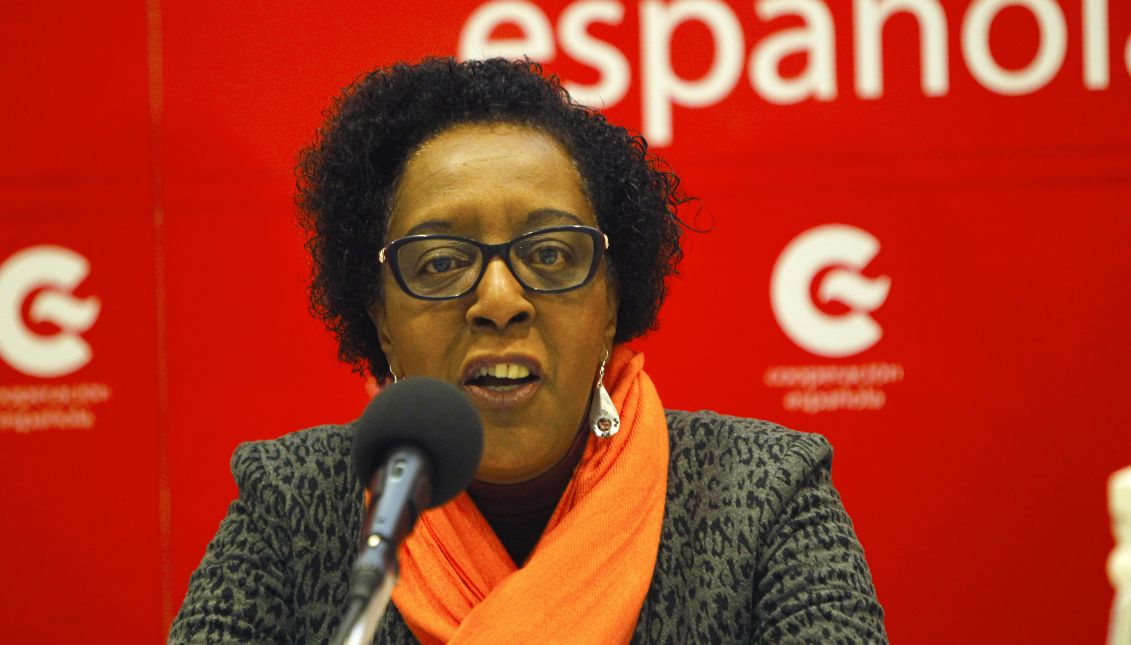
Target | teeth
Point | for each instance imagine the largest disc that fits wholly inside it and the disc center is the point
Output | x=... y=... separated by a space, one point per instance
x=504 y=370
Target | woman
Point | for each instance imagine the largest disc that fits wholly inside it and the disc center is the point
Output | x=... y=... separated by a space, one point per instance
x=468 y=222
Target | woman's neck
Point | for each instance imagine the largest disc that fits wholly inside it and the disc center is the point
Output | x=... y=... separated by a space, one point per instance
x=518 y=513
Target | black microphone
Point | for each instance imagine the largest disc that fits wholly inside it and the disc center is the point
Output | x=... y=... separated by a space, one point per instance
x=416 y=445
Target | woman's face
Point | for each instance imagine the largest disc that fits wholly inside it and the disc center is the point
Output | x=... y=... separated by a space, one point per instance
x=492 y=183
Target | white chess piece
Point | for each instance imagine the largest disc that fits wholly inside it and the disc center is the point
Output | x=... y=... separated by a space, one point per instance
x=1119 y=563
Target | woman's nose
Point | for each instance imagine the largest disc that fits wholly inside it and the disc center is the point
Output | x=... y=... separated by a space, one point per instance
x=500 y=301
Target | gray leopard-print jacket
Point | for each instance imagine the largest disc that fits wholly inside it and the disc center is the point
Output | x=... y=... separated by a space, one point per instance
x=755 y=547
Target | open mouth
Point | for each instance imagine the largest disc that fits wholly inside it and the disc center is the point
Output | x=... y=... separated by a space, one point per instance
x=501 y=377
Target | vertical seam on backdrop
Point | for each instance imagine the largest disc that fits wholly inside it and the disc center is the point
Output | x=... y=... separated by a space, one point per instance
x=155 y=68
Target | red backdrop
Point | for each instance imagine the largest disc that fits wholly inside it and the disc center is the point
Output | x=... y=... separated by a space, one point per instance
x=959 y=335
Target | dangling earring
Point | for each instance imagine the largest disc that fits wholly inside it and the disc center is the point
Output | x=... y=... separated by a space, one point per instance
x=603 y=416
x=394 y=374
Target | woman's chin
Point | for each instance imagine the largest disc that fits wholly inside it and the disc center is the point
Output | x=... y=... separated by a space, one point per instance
x=518 y=453
x=505 y=474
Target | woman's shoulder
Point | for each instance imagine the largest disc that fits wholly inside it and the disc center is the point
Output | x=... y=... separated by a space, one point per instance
x=756 y=544
x=314 y=459
x=302 y=447
x=738 y=463
x=704 y=434
x=273 y=571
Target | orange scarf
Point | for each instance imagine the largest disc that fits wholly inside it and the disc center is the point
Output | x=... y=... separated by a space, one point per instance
x=586 y=580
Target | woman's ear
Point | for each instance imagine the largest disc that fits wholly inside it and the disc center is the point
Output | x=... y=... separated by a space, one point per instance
x=611 y=323
x=377 y=315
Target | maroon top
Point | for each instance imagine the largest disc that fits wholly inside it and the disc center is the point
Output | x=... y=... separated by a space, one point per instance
x=518 y=513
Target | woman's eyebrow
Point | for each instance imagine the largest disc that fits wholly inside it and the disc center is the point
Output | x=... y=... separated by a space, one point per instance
x=430 y=226
x=534 y=219
x=547 y=216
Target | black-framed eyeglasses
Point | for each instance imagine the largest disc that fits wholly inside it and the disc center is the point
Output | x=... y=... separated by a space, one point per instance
x=443 y=267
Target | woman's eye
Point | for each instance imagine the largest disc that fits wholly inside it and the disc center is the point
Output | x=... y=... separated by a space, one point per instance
x=548 y=256
x=438 y=264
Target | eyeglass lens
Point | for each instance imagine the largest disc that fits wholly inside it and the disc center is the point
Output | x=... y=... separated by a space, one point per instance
x=442 y=267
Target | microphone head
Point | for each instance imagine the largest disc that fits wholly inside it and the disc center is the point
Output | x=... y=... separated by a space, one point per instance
x=434 y=416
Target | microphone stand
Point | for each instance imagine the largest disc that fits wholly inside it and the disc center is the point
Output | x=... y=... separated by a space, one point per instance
x=401 y=490
x=361 y=619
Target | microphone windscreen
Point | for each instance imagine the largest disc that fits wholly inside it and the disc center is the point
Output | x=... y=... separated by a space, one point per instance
x=432 y=415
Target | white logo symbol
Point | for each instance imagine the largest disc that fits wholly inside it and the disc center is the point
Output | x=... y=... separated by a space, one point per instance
x=844 y=251
x=54 y=271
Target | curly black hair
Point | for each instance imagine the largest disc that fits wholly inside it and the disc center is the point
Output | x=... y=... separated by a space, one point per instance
x=348 y=175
